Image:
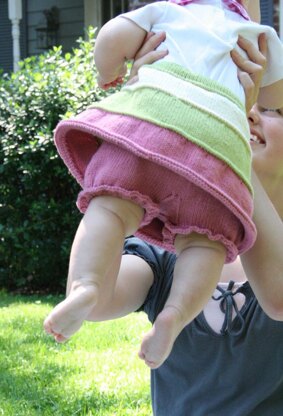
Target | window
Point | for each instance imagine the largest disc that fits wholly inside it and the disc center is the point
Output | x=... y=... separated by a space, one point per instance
x=267 y=10
x=111 y=8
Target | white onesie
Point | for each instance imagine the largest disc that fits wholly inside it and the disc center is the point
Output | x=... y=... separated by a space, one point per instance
x=212 y=31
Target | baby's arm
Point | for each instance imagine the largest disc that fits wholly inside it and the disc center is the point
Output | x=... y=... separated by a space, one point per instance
x=117 y=41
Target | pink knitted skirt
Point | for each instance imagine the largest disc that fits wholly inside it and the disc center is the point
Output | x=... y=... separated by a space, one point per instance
x=172 y=204
x=196 y=192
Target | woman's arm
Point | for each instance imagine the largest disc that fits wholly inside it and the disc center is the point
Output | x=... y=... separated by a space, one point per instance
x=253 y=8
x=270 y=96
x=263 y=263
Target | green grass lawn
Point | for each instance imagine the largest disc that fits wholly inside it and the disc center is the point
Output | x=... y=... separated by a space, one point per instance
x=96 y=373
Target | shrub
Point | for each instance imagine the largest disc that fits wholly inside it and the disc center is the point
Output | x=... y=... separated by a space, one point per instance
x=38 y=216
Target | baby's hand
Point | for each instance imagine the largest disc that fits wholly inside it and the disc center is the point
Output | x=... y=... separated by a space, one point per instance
x=106 y=85
x=112 y=79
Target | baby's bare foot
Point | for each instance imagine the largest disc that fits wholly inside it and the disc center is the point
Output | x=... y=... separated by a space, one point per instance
x=68 y=316
x=158 y=342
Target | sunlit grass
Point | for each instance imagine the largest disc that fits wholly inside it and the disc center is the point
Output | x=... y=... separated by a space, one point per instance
x=96 y=373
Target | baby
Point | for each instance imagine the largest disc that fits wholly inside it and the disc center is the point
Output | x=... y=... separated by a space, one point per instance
x=167 y=159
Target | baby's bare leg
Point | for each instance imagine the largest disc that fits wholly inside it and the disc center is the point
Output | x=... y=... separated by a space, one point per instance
x=98 y=241
x=196 y=275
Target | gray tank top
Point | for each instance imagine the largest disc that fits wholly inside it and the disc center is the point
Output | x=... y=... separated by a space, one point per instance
x=235 y=372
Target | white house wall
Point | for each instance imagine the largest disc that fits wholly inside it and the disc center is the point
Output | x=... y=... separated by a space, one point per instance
x=93 y=13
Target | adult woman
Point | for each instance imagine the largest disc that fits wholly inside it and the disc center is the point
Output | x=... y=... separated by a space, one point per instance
x=228 y=361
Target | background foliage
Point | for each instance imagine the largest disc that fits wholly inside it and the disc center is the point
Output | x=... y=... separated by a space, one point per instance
x=38 y=215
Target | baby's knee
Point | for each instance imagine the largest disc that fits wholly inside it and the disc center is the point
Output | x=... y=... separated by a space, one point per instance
x=125 y=211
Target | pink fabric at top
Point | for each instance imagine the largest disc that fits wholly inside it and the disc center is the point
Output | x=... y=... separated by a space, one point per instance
x=234 y=5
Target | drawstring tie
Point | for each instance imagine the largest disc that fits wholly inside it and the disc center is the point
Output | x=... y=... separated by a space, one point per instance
x=227 y=304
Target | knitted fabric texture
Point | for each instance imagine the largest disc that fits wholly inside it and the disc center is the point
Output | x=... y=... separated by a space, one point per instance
x=197 y=108
x=178 y=208
x=183 y=122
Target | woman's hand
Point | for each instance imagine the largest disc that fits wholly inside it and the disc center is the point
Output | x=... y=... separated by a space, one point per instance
x=251 y=69
x=147 y=54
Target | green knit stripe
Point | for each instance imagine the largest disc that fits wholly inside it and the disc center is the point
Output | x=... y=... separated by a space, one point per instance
x=203 y=129
x=213 y=103
x=201 y=81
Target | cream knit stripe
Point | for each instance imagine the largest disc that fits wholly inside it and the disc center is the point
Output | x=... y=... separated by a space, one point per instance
x=206 y=130
x=197 y=79
x=197 y=96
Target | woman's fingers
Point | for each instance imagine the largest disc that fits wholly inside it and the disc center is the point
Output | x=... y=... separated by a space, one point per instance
x=149 y=58
x=147 y=53
x=151 y=42
x=246 y=65
x=251 y=67
x=250 y=88
x=255 y=55
x=255 y=61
